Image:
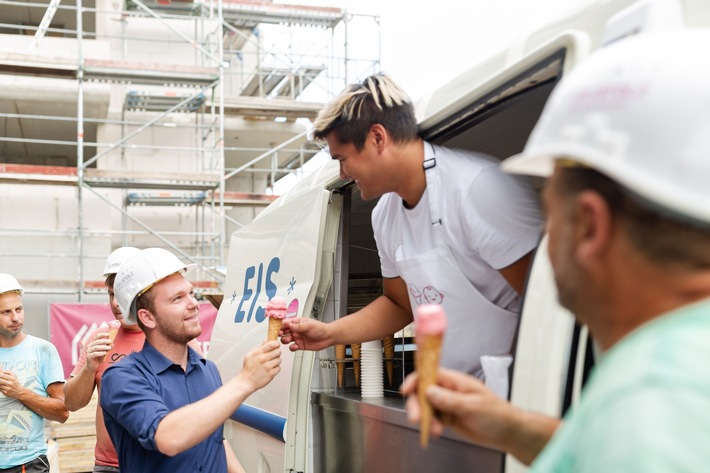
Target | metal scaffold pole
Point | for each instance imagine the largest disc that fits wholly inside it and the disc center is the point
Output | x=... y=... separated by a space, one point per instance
x=222 y=186
x=80 y=144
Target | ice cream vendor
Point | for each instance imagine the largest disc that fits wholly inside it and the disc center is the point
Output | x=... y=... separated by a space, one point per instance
x=450 y=227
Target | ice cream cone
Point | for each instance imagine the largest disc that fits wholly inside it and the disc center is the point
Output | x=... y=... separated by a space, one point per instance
x=430 y=327
x=112 y=329
x=112 y=334
x=388 y=343
x=339 y=363
x=355 y=347
x=427 y=362
x=274 y=327
x=275 y=312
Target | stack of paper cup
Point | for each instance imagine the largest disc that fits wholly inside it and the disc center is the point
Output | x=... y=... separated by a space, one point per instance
x=372 y=375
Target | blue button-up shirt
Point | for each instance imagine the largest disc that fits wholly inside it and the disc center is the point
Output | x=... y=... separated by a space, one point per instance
x=142 y=389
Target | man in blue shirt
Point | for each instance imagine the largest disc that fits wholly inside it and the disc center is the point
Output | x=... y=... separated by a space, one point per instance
x=165 y=407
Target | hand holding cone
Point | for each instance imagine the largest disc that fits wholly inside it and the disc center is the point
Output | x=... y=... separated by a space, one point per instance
x=430 y=325
x=112 y=328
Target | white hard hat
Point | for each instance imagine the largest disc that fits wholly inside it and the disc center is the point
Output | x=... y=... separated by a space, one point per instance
x=117 y=258
x=636 y=111
x=8 y=283
x=140 y=272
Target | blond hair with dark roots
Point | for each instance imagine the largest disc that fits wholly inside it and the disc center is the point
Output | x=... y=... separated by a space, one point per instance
x=375 y=100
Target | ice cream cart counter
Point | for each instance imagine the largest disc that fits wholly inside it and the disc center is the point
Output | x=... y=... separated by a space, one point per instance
x=372 y=435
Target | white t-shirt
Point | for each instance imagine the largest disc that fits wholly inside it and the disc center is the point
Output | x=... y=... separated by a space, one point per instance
x=491 y=220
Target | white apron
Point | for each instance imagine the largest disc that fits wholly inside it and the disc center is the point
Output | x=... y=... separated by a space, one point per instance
x=476 y=326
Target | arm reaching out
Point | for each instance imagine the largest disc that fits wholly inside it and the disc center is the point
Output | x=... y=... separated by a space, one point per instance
x=477 y=413
x=302 y=333
x=383 y=316
x=260 y=367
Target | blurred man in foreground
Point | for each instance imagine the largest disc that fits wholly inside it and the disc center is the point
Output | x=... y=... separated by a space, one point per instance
x=625 y=141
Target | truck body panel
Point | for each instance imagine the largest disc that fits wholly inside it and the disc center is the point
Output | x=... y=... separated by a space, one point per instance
x=315 y=245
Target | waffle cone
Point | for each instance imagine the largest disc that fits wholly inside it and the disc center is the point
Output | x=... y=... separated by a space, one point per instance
x=388 y=343
x=355 y=347
x=339 y=359
x=274 y=327
x=427 y=364
x=111 y=336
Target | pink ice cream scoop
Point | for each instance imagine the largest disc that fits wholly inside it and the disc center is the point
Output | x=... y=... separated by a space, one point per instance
x=114 y=324
x=276 y=308
x=276 y=312
x=108 y=326
x=430 y=320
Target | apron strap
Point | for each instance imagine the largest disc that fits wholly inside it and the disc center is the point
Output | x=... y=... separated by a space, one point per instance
x=433 y=183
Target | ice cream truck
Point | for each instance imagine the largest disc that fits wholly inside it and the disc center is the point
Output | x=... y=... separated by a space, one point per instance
x=314 y=247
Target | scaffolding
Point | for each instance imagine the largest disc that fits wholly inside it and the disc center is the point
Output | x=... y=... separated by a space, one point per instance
x=155 y=123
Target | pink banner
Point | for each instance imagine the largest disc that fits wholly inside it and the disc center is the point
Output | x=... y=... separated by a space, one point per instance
x=71 y=324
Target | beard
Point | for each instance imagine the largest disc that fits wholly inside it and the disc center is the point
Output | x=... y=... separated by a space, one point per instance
x=180 y=334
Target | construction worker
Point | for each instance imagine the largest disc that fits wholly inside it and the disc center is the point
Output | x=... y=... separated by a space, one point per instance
x=625 y=141
x=165 y=406
x=97 y=354
x=31 y=379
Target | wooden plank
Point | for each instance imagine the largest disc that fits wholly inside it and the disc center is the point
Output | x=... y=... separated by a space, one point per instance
x=76 y=439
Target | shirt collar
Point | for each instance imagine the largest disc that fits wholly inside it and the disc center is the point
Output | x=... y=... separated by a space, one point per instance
x=159 y=362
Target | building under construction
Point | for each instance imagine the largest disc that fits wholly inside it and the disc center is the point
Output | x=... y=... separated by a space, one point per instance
x=154 y=123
